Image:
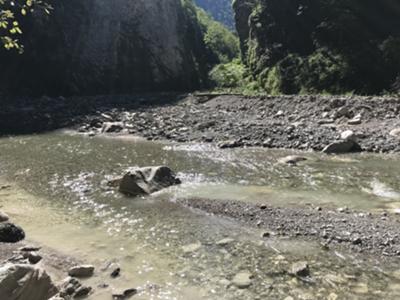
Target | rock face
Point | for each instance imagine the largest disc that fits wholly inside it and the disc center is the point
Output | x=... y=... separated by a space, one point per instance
x=99 y=46
x=24 y=282
x=10 y=233
x=292 y=46
x=144 y=181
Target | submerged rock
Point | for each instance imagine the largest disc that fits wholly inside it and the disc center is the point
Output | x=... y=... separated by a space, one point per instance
x=340 y=147
x=291 y=159
x=144 y=181
x=25 y=282
x=10 y=233
x=81 y=271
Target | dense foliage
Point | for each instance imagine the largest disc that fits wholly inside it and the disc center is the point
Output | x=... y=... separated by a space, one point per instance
x=222 y=44
x=220 y=10
x=332 y=46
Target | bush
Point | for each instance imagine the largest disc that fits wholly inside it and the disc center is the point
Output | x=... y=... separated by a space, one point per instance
x=229 y=75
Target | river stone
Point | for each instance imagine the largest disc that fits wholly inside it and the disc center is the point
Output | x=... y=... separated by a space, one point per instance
x=3 y=217
x=112 y=127
x=348 y=135
x=340 y=147
x=191 y=248
x=291 y=159
x=395 y=132
x=356 y=120
x=142 y=181
x=300 y=269
x=25 y=282
x=125 y=294
x=82 y=291
x=10 y=233
x=81 y=271
x=242 y=280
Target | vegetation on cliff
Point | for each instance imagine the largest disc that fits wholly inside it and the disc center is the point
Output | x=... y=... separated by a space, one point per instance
x=327 y=46
x=220 y=10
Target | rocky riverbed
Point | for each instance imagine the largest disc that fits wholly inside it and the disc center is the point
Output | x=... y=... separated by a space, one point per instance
x=294 y=122
x=376 y=234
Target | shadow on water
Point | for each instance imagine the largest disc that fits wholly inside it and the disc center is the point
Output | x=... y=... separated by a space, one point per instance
x=27 y=115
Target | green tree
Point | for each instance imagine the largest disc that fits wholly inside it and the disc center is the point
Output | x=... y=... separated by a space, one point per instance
x=11 y=12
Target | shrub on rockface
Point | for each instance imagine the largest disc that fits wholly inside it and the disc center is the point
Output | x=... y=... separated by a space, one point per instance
x=229 y=75
x=333 y=46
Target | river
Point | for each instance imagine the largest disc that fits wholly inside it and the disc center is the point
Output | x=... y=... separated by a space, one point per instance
x=60 y=197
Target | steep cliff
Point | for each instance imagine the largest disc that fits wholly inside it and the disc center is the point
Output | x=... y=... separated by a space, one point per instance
x=334 y=46
x=102 y=46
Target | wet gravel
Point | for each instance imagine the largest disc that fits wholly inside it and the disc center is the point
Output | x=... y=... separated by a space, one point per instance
x=375 y=234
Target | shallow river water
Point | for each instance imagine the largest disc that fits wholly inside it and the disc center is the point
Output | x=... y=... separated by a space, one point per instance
x=60 y=197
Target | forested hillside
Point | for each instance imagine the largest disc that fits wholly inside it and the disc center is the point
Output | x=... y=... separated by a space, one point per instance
x=321 y=46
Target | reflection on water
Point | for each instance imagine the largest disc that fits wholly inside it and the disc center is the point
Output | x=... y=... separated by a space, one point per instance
x=62 y=200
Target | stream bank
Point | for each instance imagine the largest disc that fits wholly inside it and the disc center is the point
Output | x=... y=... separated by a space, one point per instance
x=291 y=122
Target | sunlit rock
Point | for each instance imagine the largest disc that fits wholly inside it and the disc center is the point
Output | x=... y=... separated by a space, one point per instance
x=144 y=181
x=25 y=282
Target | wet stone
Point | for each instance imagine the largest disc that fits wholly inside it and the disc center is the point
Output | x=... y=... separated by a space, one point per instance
x=81 y=271
x=82 y=291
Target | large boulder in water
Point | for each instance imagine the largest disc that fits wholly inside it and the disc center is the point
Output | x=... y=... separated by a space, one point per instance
x=25 y=282
x=340 y=147
x=10 y=233
x=144 y=181
x=101 y=46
